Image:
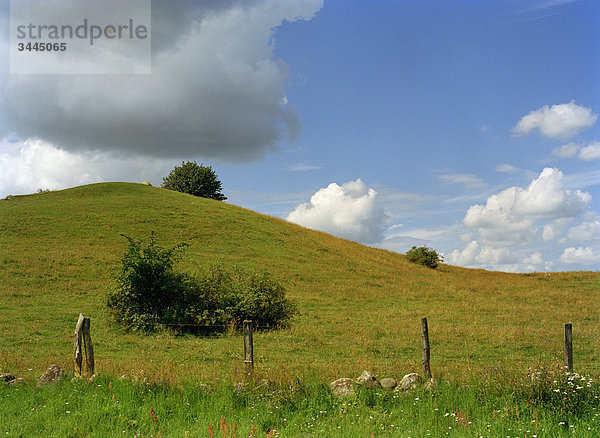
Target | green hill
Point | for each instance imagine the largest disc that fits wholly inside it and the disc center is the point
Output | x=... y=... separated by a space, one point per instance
x=359 y=306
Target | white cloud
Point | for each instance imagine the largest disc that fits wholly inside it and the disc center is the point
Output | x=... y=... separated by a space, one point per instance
x=494 y=256
x=546 y=197
x=466 y=257
x=302 y=167
x=534 y=259
x=585 y=231
x=590 y=152
x=216 y=89
x=580 y=256
x=549 y=233
x=349 y=211
x=28 y=166
x=509 y=216
x=557 y=121
x=467 y=180
x=568 y=150
x=497 y=258
x=506 y=168
x=553 y=230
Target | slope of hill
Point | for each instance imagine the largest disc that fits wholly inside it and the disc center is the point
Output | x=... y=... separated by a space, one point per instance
x=360 y=306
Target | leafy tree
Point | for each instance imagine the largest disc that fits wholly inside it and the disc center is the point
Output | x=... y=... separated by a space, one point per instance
x=424 y=256
x=194 y=179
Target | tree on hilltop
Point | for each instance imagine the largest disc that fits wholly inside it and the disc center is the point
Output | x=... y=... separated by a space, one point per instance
x=194 y=179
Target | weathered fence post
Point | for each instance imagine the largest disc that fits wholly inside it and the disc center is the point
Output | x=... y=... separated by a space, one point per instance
x=89 y=349
x=83 y=339
x=425 y=339
x=568 y=346
x=248 y=347
x=78 y=346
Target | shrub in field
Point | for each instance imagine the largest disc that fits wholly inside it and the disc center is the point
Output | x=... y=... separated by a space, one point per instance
x=150 y=293
x=148 y=290
x=425 y=256
x=231 y=297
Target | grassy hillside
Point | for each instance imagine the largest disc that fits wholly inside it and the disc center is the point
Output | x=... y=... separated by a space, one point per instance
x=360 y=307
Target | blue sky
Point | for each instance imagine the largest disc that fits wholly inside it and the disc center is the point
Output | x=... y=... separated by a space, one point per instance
x=467 y=126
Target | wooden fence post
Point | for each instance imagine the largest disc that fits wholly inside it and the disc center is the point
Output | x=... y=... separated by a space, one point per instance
x=425 y=340
x=248 y=347
x=89 y=349
x=568 y=346
x=78 y=346
x=83 y=340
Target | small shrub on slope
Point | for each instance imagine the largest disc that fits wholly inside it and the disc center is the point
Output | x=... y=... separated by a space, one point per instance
x=424 y=256
x=149 y=293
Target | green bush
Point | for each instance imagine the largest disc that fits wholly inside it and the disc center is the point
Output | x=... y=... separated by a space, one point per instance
x=148 y=290
x=231 y=297
x=424 y=256
x=149 y=293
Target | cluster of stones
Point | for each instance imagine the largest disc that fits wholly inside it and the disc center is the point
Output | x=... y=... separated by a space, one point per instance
x=53 y=374
x=345 y=387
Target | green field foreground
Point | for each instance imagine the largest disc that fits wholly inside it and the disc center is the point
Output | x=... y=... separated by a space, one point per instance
x=360 y=307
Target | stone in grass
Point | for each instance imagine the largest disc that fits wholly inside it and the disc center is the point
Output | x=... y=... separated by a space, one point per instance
x=388 y=383
x=409 y=382
x=52 y=375
x=343 y=387
x=368 y=380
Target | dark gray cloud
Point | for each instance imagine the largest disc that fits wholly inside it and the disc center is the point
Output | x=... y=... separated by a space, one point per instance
x=215 y=89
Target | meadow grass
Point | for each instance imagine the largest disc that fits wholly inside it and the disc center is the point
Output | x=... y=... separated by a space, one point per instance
x=360 y=307
x=108 y=407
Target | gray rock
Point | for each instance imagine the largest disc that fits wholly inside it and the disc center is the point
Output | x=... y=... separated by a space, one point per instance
x=388 y=383
x=368 y=380
x=52 y=375
x=343 y=387
x=409 y=382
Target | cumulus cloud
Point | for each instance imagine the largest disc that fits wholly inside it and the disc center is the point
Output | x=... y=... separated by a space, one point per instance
x=349 y=211
x=579 y=255
x=28 y=166
x=588 y=152
x=475 y=255
x=216 y=89
x=509 y=216
x=467 y=180
x=561 y=121
x=568 y=150
x=586 y=231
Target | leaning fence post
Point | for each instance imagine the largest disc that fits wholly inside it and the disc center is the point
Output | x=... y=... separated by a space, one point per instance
x=248 y=347
x=425 y=339
x=89 y=349
x=78 y=346
x=568 y=346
